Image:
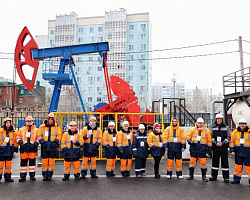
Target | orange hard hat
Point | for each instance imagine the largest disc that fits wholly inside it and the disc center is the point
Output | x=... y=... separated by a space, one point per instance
x=93 y=118
x=51 y=115
x=29 y=118
x=7 y=119
x=73 y=123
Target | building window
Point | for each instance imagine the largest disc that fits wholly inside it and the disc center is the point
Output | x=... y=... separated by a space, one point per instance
x=131 y=27
x=109 y=36
x=80 y=40
x=91 y=59
x=80 y=30
x=90 y=78
x=98 y=89
x=143 y=36
x=131 y=37
x=78 y=79
x=143 y=57
x=143 y=26
x=143 y=99
x=100 y=29
x=130 y=78
x=130 y=67
x=52 y=42
x=100 y=39
x=89 y=99
x=22 y=91
x=91 y=39
x=130 y=47
x=131 y=57
x=91 y=29
x=21 y=100
x=99 y=69
x=52 y=32
x=99 y=99
x=90 y=89
x=143 y=47
x=143 y=78
x=99 y=78
x=143 y=67
x=142 y=88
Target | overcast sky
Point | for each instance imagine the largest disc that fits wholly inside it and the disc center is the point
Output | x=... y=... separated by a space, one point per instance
x=175 y=23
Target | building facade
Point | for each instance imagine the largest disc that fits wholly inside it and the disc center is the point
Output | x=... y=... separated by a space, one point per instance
x=129 y=37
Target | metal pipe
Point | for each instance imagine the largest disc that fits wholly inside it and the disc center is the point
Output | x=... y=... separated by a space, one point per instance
x=213 y=108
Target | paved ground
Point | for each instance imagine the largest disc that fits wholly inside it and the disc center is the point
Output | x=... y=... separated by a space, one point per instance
x=123 y=188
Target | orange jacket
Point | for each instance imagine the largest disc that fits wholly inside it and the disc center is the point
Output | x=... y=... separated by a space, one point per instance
x=43 y=132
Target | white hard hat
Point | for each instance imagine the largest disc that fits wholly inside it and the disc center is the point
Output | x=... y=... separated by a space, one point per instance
x=141 y=126
x=242 y=120
x=125 y=123
x=200 y=120
x=219 y=116
x=111 y=123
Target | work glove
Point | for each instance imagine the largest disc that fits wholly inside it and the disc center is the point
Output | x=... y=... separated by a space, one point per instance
x=56 y=141
x=189 y=141
x=77 y=143
x=20 y=142
x=41 y=141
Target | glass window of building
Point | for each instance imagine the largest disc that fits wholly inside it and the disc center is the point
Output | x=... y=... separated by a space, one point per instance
x=80 y=30
x=143 y=26
x=131 y=37
x=91 y=59
x=131 y=47
x=109 y=36
x=131 y=27
x=99 y=69
x=91 y=39
x=143 y=56
x=91 y=29
x=90 y=78
x=142 y=88
x=143 y=78
x=143 y=47
x=130 y=78
x=131 y=57
x=130 y=67
x=98 y=89
x=52 y=32
x=99 y=99
x=100 y=39
x=80 y=40
x=143 y=36
x=100 y=29
x=99 y=78
x=90 y=89
x=143 y=67
x=89 y=99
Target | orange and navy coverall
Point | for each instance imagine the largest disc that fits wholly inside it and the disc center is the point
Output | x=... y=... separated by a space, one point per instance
x=27 y=139
x=240 y=144
x=90 y=148
x=49 y=137
x=72 y=152
x=124 y=143
x=155 y=143
x=174 y=139
x=200 y=142
x=109 y=142
x=8 y=146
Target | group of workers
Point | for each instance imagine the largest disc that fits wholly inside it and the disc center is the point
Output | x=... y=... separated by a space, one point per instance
x=125 y=145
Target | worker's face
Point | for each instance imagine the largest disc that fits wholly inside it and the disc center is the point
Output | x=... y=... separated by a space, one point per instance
x=8 y=124
x=175 y=122
x=51 y=121
x=125 y=127
x=200 y=124
x=142 y=130
x=219 y=121
x=158 y=130
x=111 y=127
x=92 y=123
x=242 y=126
x=72 y=128
x=29 y=123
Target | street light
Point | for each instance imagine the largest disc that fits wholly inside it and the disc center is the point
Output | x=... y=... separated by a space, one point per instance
x=173 y=80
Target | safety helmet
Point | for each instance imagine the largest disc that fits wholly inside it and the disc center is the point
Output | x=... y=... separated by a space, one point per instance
x=141 y=126
x=51 y=115
x=7 y=119
x=29 y=118
x=242 y=121
x=200 y=120
x=111 y=123
x=73 y=123
x=125 y=123
x=219 y=116
x=93 y=118
x=156 y=125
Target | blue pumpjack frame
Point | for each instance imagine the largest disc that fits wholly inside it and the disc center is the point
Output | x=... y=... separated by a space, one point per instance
x=65 y=53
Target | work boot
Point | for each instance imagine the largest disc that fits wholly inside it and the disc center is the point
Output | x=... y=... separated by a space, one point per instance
x=143 y=174
x=45 y=179
x=212 y=179
x=191 y=173
x=49 y=179
x=235 y=182
x=168 y=177
x=180 y=177
x=157 y=176
x=204 y=178
x=127 y=173
x=32 y=178
x=112 y=173
x=94 y=176
x=65 y=178
x=78 y=178
x=22 y=179
x=226 y=180
x=139 y=176
x=9 y=180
